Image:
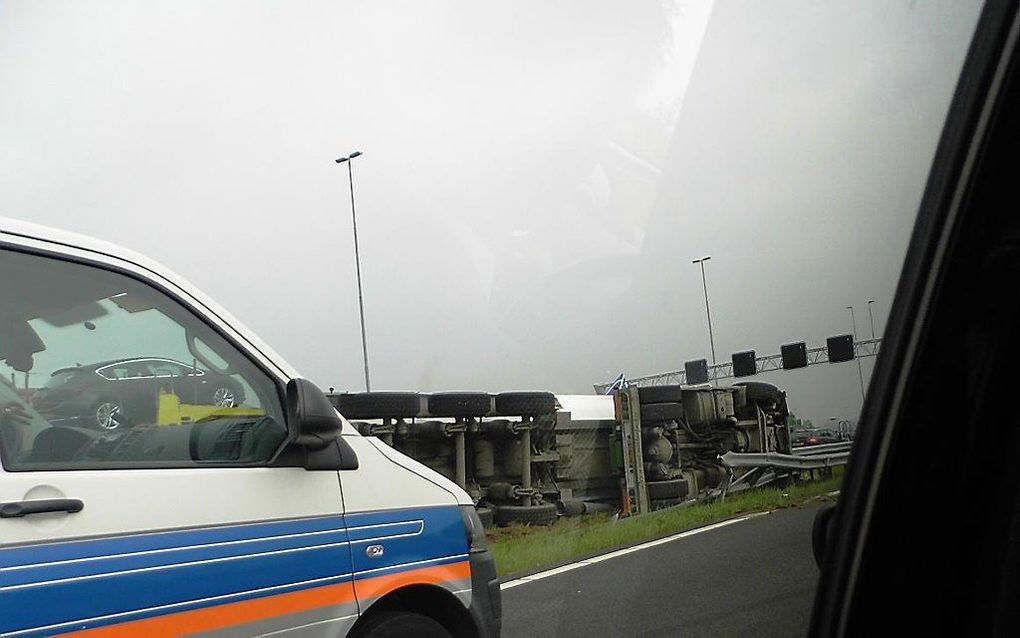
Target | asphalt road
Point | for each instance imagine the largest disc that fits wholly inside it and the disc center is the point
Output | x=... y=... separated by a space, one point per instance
x=754 y=577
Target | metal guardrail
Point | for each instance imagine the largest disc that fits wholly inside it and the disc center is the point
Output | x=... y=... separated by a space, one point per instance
x=825 y=448
x=784 y=461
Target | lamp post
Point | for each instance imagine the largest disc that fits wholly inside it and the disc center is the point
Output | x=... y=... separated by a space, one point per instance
x=708 y=311
x=357 y=263
x=872 y=316
x=860 y=373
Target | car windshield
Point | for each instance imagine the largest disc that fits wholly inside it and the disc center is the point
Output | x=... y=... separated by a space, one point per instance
x=617 y=271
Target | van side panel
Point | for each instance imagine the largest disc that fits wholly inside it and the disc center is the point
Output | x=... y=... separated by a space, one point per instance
x=422 y=546
x=182 y=581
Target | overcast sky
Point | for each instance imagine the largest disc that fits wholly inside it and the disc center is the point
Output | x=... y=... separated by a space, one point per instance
x=536 y=180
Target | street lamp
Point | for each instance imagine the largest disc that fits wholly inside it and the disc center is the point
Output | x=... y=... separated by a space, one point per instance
x=860 y=373
x=872 y=315
x=708 y=311
x=357 y=263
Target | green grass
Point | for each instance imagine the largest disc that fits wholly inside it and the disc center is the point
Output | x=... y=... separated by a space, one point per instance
x=520 y=549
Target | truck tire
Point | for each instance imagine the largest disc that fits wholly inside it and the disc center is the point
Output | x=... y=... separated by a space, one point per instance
x=396 y=624
x=660 y=394
x=760 y=392
x=676 y=488
x=485 y=515
x=656 y=471
x=572 y=507
x=459 y=404
x=525 y=403
x=663 y=503
x=658 y=412
x=544 y=514
x=377 y=405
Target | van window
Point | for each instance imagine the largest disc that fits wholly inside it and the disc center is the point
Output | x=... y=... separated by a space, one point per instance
x=96 y=372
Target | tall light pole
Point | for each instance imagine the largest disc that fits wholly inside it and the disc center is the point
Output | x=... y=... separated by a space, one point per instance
x=860 y=373
x=872 y=315
x=357 y=263
x=708 y=311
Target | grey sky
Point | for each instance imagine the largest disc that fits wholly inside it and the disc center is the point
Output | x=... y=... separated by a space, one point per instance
x=532 y=190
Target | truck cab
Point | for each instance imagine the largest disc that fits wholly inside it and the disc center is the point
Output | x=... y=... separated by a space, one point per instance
x=141 y=499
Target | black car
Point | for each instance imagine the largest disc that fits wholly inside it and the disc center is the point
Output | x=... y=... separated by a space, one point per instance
x=122 y=392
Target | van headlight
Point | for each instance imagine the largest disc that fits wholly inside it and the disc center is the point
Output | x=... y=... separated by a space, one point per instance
x=473 y=528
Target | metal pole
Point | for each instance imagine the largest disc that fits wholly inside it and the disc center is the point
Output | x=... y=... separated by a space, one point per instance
x=708 y=313
x=860 y=372
x=357 y=265
x=526 y=462
x=461 y=459
x=872 y=316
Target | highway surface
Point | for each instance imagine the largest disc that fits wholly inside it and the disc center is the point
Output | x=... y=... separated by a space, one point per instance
x=753 y=577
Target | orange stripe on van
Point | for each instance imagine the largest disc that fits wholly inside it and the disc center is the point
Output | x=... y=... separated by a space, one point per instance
x=245 y=611
x=377 y=586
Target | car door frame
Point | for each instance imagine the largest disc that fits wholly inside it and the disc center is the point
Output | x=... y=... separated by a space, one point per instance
x=862 y=565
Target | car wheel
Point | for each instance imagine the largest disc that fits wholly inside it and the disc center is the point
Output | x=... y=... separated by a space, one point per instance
x=400 y=623
x=108 y=414
x=224 y=397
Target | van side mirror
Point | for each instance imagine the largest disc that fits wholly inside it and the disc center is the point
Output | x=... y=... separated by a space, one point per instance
x=315 y=429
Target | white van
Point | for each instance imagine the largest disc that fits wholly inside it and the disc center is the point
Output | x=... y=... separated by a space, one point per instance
x=165 y=473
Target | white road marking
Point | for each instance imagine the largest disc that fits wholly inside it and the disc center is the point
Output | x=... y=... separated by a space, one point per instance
x=621 y=552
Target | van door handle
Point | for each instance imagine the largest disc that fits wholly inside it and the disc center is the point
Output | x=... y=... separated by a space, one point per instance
x=17 y=509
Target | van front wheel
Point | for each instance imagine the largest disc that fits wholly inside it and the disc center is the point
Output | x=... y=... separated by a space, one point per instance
x=396 y=624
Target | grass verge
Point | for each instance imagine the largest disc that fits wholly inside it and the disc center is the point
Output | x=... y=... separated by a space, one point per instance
x=520 y=549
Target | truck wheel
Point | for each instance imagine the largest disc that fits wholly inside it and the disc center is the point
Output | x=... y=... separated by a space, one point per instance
x=676 y=488
x=455 y=404
x=663 y=503
x=485 y=515
x=544 y=514
x=572 y=507
x=396 y=624
x=378 y=405
x=656 y=412
x=525 y=403
x=660 y=394
x=760 y=392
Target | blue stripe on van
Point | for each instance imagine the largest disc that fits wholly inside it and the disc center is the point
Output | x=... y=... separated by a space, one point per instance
x=133 y=575
x=443 y=535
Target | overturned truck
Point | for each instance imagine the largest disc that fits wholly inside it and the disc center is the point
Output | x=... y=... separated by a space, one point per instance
x=529 y=457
